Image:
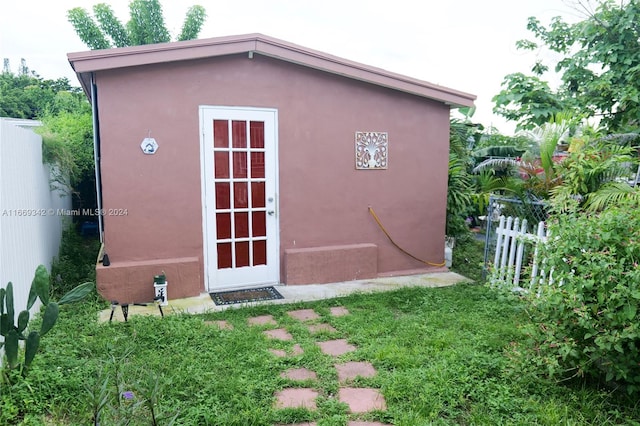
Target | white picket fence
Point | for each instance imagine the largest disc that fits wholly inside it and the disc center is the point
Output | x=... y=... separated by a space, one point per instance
x=31 y=219
x=513 y=237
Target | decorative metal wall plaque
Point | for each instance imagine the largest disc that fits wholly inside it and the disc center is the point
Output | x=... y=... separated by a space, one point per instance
x=371 y=150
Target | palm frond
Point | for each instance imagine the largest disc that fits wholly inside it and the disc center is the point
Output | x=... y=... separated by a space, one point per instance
x=611 y=193
x=499 y=151
x=622 y=138
x=497 y=164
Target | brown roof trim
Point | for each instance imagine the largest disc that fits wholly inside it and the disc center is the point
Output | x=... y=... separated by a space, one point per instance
x=84 y=63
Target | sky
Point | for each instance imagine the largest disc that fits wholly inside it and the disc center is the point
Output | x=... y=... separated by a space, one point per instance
x=467 y=45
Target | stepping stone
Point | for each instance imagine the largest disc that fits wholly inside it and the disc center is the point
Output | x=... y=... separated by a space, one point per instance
x=351 y=370
x=362 y=400
x=319 y=328
x=304 y=314
x=358 y=423
x=278 y=333
x=296 y=350
x=278 y=352
x=222 y=325
x=336 y=347
x=262 y=320
x=299 y=374
x=296 y=398
x=338 y=311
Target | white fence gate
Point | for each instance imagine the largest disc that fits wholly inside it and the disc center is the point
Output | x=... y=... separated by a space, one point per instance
x=512 y=238
x=31 y=214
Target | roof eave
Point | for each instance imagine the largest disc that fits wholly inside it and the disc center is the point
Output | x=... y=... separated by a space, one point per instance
x=84 y=63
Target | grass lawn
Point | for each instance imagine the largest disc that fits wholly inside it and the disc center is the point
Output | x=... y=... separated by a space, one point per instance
x=439 y=355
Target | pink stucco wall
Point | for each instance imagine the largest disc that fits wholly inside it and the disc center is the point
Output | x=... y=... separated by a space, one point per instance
x=323 y=199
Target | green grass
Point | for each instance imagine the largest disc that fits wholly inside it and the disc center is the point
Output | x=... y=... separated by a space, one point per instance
x=468 y=257
x=76 y=261
x=441 y=357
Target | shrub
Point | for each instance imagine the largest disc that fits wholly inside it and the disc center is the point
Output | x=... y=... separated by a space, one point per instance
x=76 y=261
x=586 y=322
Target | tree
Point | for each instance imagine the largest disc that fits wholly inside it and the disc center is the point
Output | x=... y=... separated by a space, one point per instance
x=66 y=130
x=600 y=69
x=27 y=95
x=146 y=25
x=528 y=100
x=67 y=141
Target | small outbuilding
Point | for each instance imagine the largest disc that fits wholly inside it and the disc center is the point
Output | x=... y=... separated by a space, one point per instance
x=247 y=161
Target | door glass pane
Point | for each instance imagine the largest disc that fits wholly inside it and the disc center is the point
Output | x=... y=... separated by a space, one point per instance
x=260 y=252
x=239 y=164
x=239 y=134
x=241 y=224
x=223 y=193
x=257 y=164
x=221 y=160
x=220 y=134
x=259 y=222
x=257 y=194
x=224 y=255
x=242 y=254
x=223 y=225
x=240 y=195
x=257 y=134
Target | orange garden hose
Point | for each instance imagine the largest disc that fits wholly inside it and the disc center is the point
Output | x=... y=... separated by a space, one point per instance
x=375 y=216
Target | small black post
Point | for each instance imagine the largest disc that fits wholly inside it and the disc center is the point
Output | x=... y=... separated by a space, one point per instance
x=114 y=303
x=158 y=301
x=125 y=311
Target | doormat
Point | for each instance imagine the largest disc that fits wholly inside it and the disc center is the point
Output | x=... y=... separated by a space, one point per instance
x=244 y=296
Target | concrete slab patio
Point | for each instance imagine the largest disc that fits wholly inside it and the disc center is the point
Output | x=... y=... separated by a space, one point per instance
x=294 y=293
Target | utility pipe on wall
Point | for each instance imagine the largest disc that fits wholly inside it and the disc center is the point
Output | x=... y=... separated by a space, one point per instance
x=96 y=153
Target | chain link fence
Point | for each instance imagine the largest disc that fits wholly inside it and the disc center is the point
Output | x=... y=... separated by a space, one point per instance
x=533 y=211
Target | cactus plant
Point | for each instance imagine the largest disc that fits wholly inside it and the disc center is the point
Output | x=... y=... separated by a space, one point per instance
x=12 y=333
